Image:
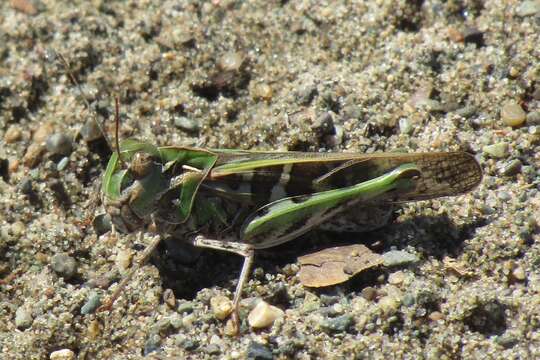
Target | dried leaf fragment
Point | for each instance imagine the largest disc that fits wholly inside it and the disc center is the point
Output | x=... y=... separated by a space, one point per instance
x=336 y=265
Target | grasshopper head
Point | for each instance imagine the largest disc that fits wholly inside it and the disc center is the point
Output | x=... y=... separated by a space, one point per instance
x=141 y=165
x=133 y=187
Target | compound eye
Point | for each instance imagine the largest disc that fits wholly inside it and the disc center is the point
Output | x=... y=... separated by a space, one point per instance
x=141 y=164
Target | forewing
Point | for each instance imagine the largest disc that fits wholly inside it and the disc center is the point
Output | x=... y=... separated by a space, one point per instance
x=269 y=176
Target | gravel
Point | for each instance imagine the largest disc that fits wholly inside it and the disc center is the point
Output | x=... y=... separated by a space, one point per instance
x=392 y=75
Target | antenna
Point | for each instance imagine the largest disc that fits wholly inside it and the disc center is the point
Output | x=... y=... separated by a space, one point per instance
x=117 y=126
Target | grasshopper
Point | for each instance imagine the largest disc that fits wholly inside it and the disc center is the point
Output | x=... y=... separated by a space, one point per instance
x=241 y=201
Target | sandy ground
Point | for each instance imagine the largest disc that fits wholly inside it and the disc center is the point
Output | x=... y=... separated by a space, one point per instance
x=356 y=76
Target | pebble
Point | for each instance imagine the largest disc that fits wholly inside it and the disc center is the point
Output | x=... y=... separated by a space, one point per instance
x=512 y=114
x=212 y=349
x=533 y=118
x=511 y=168
x=176 y=321
x=13 y=134
x=102 y=224
x=467 y=111
x=306 y=94
x=398 y=258
x=408 y=299
x=90 y=131
x=257 y=351
x=64 y=354
x=23 y=318
x=93 y=331
x=436 y=316
x=388 y=304
x=262 y=91
x=264 y=315
x=33 y=154
x=472 y=35
x=504 y=196
x=169 y=298
x=221 y=306
x=152 y=344
x=528 y=8
x=123 y=259
x=396 y=278
x=338 y=324
x=26 y=186
x=186 y=124
x=405 y=126
x=507 y=340
x=24 y=6
x=62 y=164
x=18 y=228
x=230 y=328
x=498 y=150
x=369 y=293
x=59 y=144
x=43 y=132
x=231 y=61
x=91 y=304
x=13 y=166
x=64 y=265
x=185 y=342
x=519 y=274
x=185 y=307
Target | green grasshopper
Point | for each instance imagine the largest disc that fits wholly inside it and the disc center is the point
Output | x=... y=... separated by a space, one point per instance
x=241 y=201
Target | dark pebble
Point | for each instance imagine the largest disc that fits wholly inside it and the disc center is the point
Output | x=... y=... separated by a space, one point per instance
x=506 y=341
x=26 y=186
x=256 y=351
x=369 y=293
x=473 y=36
x=59 y=144
x=338 y=324
x=91 y=131
x=102 y=224
x=189 y=344
x=511 y=168
x=4 y=169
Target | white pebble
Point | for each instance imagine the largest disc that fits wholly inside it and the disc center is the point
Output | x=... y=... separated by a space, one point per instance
x=264 y=315
x=64 y=354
